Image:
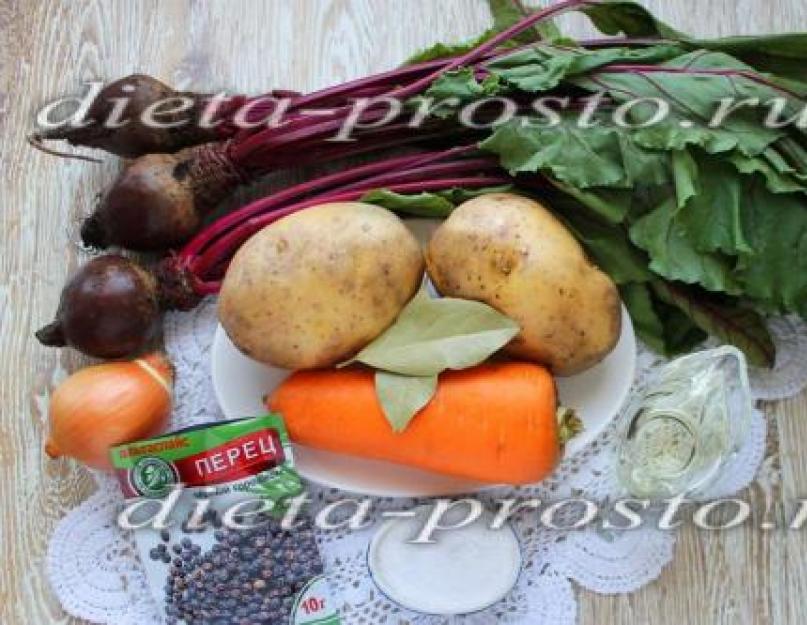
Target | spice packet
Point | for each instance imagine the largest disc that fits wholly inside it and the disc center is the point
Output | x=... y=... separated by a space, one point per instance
x=223 y=556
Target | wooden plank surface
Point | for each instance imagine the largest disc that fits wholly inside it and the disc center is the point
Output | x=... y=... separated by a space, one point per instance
x=48 y=47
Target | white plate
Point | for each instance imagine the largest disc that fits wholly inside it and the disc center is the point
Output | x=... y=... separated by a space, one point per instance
x=240 y=384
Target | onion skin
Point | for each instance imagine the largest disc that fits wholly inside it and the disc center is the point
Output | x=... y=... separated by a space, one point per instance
x=109 y=309
x=105 y=405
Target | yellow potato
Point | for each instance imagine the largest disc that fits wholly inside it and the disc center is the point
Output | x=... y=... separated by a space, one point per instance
x=513 y=254
x=315 y=287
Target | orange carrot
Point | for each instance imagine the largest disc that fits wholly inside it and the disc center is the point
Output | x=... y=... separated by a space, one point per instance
x=492 y=423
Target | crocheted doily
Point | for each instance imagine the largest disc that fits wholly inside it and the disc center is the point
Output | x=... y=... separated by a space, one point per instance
x=96 y=575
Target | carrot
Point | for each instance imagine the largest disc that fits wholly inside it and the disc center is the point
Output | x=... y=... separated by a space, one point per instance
x=493 y=423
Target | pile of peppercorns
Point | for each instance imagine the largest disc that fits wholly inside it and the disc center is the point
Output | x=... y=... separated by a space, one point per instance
x=249 y=577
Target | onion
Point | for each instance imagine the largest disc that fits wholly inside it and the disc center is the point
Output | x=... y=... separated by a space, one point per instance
x=106 y=405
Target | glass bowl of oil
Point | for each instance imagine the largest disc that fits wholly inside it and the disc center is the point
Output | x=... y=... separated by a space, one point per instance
x=692 y=417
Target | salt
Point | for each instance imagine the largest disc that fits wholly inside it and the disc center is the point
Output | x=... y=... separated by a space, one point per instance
x=466 y=570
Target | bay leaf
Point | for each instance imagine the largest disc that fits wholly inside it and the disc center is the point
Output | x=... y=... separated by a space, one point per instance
x=403 y=396
x=435 y=334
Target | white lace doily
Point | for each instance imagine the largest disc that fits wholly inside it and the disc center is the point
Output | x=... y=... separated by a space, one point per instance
x=789 y=376
x=96 y=575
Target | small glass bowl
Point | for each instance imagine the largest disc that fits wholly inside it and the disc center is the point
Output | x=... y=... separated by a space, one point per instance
x=690 y=420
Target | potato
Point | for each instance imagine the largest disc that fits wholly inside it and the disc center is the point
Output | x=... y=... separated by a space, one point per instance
x=315 y=287
x=513 y=254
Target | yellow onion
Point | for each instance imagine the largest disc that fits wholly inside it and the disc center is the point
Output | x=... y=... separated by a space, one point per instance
x=105 y=405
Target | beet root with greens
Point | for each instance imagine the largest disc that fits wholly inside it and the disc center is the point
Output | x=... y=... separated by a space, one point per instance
x=158 y=200
x=175 y=111
x=109 y=309
x=680 y=273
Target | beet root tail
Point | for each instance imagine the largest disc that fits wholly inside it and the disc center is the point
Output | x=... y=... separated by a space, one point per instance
x=93 y=234
x=175 y=285
x=51 y=335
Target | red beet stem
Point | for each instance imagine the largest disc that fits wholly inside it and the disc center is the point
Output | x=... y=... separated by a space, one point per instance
x=252 y=149
x=207 y=288
x=317 y=154
x=308 y=141
x=361 y=87
x=384 y=79
x=377 y=84
x=316 y=150
x=291 y=193
x=249 y=150
x=484 y=166
x=301 y=141
x=298 y=191
x=300 y=106
x=491 y=44
x=369 y=86
x=697 y=71
x=226 y=245
x=608 y=42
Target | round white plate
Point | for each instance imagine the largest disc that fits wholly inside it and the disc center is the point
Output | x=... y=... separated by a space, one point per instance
x=240 y=383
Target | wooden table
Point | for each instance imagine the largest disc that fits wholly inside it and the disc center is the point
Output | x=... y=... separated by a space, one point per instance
x=48 y=47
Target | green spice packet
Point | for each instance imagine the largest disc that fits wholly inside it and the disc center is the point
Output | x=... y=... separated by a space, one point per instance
x=202 y=568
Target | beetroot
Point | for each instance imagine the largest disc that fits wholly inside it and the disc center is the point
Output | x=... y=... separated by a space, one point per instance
x=209 y=251
x=134 y=138
x=111 y=308
x=108 y=309
x=159 y=200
